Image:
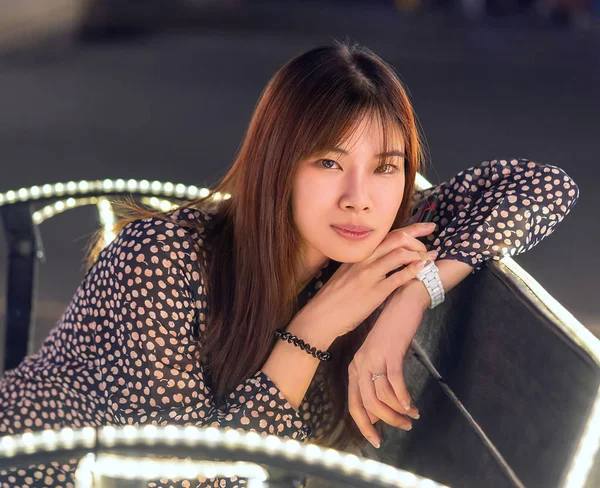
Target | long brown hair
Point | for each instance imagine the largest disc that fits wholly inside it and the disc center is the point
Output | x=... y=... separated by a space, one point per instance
x=311 y=104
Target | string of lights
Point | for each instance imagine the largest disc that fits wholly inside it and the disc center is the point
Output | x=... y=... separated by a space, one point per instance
x=102 y=187
x=367 y=470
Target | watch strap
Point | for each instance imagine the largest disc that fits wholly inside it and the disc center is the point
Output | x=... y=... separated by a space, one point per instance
x=430 y=277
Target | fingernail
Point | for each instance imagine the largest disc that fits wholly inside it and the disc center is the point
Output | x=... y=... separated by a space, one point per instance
x=433 y=254
x=421 y=264
x=414 y=413
x=430 y=224
x=374 y=441
x=406 y=406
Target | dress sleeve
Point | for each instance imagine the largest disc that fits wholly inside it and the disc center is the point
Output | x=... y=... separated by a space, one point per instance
x=498 y=208
x=148 y=305
x=316 y=408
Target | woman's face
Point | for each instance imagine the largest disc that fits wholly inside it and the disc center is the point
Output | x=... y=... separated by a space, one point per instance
x=348 y=187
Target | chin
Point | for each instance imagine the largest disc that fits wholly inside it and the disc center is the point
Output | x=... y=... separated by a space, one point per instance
x=344 y=256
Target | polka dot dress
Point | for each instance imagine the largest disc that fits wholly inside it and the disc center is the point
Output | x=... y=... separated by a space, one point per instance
x=123 y=353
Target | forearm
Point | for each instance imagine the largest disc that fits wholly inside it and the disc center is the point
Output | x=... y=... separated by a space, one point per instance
x=451 y=272
x=412 y=299
x=291 y=368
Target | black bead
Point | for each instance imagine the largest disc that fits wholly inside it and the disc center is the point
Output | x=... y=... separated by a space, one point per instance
x=285 y=335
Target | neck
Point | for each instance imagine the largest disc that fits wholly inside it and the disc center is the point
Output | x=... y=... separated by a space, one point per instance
x=309 y=270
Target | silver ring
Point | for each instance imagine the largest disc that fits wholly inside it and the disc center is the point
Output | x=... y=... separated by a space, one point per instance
x=377 y=375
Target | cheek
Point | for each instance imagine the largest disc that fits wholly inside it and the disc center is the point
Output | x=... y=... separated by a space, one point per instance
x=306 y=213
x=390 y=200
x=304 y=205
x=309 y=193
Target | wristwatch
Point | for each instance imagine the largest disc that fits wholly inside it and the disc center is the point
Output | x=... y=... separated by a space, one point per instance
x=431 y=279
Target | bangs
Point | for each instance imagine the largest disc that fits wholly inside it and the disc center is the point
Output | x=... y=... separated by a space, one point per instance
x=341 y=131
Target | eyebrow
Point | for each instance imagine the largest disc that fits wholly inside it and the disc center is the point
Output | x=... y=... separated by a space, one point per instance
x=387 y=154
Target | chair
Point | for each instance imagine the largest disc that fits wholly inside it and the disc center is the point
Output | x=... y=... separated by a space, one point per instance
x=506 y=380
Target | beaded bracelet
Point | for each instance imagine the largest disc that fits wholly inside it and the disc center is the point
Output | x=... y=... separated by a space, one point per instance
x=292 y=339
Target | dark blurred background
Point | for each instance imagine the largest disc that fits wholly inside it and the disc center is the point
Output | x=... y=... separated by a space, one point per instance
x=164 y=90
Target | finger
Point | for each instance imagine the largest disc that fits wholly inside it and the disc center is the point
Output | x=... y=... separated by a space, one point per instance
x=359 y=414
x=386 y=394
x=402 y=264
x=405 y=240
x=398 y=258
x=372 y=418
x=400 y=238
x=413 y=413
x=419 y=229
x=377 y=407
x=396 y=387
x=401 y=277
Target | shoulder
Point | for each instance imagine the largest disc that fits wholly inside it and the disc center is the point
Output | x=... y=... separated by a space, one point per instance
x=174 y=239
x=176 y=227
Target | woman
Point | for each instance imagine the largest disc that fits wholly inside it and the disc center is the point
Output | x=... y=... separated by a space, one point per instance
x=150 y=334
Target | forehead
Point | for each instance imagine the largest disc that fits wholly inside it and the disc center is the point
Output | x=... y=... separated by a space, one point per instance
x=372 y=130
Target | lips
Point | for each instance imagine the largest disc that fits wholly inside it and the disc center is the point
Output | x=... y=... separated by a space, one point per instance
x=353 y=228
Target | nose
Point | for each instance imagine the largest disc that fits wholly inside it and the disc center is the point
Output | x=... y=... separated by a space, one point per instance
x=356 y=195
x=356 y=206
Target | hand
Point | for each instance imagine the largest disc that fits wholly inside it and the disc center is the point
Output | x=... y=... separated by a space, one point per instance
x=356 y=289
x=383 y=351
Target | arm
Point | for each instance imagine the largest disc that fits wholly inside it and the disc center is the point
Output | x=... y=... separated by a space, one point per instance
x=415 y=296
x=149 y=297
x=291 y=368
x=451 y=272
x=495 y=209
x=498 y=208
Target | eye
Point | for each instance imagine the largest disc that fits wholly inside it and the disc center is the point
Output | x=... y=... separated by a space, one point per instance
x=326 y=160
x=392 y=168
